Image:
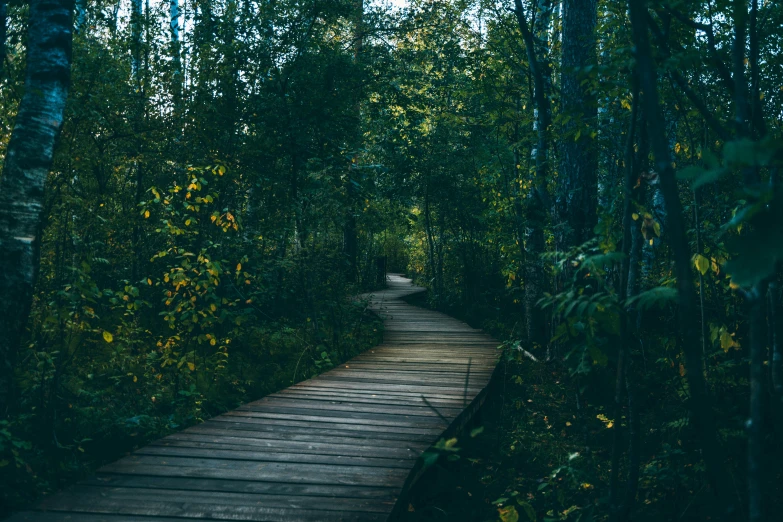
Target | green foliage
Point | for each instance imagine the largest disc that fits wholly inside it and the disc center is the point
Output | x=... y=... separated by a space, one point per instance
x=194 y=252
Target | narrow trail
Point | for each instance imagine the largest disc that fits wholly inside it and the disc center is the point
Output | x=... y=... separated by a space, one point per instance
x=343 y=446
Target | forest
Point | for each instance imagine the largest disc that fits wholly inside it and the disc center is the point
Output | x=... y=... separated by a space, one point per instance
x=195 y=194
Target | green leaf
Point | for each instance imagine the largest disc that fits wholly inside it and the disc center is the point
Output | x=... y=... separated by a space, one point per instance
x=528 y=509
x=747 y=152
x=508 y=514
x=727 y=341
x=701 y=263
x=699 y=176
x=659 y=296
x=759 y=250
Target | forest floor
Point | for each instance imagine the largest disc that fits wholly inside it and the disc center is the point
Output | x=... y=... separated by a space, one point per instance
x=524 y=456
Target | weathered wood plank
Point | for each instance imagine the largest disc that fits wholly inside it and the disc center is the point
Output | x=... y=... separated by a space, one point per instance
x=343 y=446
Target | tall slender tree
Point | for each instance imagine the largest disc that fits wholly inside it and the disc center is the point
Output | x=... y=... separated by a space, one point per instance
x=699 y=403
x=538 y=202
x=27 y=162
x=577 y=197
x=176 y=50
x=3 y=34
x=350 y=240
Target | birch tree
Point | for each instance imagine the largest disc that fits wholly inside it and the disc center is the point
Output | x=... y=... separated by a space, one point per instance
x=26 y=166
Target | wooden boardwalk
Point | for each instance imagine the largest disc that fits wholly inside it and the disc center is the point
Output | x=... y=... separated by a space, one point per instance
x=343 y=446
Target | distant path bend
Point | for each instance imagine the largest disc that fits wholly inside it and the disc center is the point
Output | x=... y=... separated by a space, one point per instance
x=343 y=446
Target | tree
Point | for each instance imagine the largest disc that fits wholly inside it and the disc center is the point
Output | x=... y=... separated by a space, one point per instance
x=577 y=199
x=3 y=35
x=538 y=201
x=27 y=161
x=699 y=403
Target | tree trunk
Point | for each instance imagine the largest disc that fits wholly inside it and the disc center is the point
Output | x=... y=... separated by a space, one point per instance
x=27 y=162
x=699 y=403
x=756 y=109
x=3 y=35
x=537 y=203
x=177 y=79
x=776 y=324
x=637 y=240
x=136 y=51
x=755 y=425
x=622 y=356
x=350 y=241
x=430 y=241
x=577 y=196
x=81 y=16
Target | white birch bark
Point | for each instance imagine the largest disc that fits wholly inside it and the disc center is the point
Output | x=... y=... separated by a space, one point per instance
x=27 y=163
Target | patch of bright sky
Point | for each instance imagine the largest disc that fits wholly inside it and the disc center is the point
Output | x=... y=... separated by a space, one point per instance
x=396 y=4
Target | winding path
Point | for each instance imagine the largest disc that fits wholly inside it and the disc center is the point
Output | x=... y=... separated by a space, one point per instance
x=343 y=446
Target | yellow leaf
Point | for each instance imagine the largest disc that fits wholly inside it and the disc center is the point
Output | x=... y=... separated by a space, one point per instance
x=146 y=214
x=635 y=216
x=221 y=170
x=108 y=337
x=508 y=514
x=677 y=148
x=239 y=267
x=701 y=263
x=191 y=366
x=727 y=341
x=135 y=379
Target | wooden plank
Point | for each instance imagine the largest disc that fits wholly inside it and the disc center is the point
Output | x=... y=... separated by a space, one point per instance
x=228 y=439
x=264 y=471
x=245 y=454
x=342 y=446
x=242 y=486
x=183 y=503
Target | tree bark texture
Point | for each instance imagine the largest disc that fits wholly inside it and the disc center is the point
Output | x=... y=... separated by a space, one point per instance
x=3 y=35
x=577 y=196
x=177 y=79
x=350 y=236
x=536 y=203
x=27 y=163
